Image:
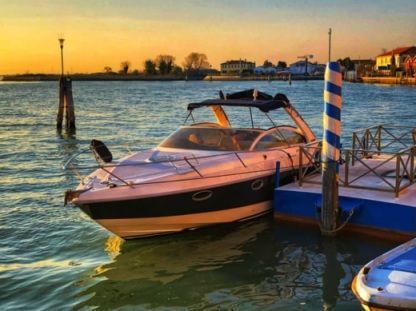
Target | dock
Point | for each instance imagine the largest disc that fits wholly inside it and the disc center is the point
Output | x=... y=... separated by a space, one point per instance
x=377 y=189
x=390 y=80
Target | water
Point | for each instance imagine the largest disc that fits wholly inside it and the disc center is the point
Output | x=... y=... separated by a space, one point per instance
x=54 y=257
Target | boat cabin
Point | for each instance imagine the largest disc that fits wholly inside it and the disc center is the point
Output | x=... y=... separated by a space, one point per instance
x=222 y=136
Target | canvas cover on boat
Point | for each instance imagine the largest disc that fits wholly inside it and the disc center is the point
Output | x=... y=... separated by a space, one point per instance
x=262 y=101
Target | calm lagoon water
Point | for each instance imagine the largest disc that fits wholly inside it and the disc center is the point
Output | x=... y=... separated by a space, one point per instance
x=55 y=258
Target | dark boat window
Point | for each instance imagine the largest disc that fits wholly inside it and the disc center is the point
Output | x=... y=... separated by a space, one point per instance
x=280 y=138
x=211 y=139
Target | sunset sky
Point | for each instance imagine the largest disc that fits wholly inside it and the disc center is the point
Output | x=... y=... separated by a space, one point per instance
x=104 y=33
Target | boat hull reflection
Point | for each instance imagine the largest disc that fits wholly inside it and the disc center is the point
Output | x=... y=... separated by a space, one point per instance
x=258 y=264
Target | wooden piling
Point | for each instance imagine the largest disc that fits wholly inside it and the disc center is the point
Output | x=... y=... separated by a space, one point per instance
x=331 y=148
x=69 y=105
x=60 y=116
x=66 y=101
x=329 y=211
x=66 y=104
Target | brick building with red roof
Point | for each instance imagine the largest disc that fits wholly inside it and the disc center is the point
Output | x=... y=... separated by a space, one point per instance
x=394 y=59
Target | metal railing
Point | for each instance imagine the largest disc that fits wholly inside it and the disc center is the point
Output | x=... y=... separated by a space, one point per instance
x=379 y=142
x=191 y=161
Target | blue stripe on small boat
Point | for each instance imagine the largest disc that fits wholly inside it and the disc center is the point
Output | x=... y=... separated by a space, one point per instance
x=405 y=262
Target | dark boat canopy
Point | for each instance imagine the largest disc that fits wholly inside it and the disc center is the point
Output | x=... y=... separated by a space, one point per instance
x=262 y=101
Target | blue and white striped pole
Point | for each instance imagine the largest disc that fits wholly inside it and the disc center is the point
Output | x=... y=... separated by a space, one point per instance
x=331 y=147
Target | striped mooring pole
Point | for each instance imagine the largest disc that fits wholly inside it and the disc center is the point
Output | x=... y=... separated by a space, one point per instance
x=331 y=148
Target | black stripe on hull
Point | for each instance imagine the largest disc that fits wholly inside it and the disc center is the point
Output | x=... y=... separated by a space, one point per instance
x=222 y=198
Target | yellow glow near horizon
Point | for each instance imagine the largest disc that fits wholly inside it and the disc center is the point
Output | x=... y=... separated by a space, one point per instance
x=104 y=34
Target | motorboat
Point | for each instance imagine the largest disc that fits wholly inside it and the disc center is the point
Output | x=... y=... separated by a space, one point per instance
x=389 y=281
x=204 y=173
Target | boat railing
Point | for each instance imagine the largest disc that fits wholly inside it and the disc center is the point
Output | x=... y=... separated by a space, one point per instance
x=369 y=143
x=191 y=161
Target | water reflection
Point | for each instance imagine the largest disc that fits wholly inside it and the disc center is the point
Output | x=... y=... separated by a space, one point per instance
x=333 y=273
x=67 y=146
x=254 y=265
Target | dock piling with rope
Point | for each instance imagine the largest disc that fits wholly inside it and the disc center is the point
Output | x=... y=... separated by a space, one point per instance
x=331 y=148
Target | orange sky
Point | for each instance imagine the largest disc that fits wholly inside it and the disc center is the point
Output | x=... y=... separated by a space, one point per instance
x=104 y=33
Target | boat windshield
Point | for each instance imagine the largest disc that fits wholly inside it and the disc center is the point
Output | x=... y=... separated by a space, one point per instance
x=211 y=139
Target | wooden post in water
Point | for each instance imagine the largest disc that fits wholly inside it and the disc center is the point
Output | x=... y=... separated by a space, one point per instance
x=66 y=102
x=60 y=116
x=69 y=105
x=331 y=148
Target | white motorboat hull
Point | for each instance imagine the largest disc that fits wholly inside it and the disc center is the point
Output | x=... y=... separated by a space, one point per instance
x=178 y=206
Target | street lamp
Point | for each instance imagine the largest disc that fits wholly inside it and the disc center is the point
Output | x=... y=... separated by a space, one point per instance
x=61 y=45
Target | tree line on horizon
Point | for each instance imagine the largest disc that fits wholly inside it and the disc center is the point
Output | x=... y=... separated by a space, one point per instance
x=165 y=64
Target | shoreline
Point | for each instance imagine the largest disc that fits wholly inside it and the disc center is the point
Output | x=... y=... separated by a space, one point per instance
x=390 y=80
x=116 y=77
x=167 y=78
x=93 y=77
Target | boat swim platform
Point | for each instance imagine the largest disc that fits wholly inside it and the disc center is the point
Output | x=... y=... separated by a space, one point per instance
x=377 y=196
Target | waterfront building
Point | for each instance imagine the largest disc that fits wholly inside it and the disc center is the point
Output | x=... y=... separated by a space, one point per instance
x=301 y=68
x=261 y=70
x=362 y=67
x=410 y=65
x=394 y=58
x=237 y=67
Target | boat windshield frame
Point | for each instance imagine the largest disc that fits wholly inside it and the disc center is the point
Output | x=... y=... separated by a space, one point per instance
x=217 y=138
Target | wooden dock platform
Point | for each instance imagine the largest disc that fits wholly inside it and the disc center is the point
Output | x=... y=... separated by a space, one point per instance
x=377 y=190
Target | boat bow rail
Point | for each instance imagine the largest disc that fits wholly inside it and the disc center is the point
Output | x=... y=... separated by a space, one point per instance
x=180 y=164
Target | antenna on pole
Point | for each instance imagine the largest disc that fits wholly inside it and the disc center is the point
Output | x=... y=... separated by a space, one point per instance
x=329 y=45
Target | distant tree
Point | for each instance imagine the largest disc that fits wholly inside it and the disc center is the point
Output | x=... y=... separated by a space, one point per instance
x=267 y=64
x=165 y=63
x=149 y=67
x=281 y=64
x=177 y=70
x=347 y=63
x=135 y=72
x=196 y=61
x=108 y=69
x=124 y=67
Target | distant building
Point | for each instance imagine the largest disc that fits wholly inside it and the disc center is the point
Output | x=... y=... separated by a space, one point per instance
x=261 y=70
x=410 y=65
x=301 y=68
x=363 y=67
x=237 y=67
x=396 y=57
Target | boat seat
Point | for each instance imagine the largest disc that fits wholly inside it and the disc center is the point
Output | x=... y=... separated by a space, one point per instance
x=100 y=151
